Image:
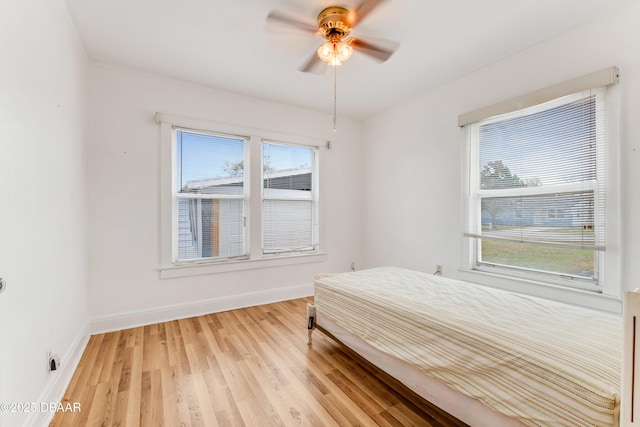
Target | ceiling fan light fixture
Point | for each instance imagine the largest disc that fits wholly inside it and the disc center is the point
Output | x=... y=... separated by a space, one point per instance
x=325 y=52
x=335 y=53
x=343 y=51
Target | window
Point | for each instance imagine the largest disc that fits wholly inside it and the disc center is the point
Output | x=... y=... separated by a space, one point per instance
x=536 y=191
x=210 y=196
x=289 y=198
x=235 y=198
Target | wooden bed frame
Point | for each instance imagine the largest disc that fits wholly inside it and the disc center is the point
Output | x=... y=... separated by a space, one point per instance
x=470 y=410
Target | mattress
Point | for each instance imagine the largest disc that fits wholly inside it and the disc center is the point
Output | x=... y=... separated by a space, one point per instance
x=539 y=362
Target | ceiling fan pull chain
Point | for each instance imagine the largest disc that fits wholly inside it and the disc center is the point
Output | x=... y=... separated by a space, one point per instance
x=335 y=114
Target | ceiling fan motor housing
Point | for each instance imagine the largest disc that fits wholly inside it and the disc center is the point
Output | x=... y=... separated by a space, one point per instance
x=333 y=21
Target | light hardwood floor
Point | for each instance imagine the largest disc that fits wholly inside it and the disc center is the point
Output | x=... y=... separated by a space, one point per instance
x=248 y=367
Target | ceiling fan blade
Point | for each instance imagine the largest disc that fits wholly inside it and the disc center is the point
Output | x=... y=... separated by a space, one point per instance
x=380 y=52
x=362 y=10
x=276 y=17
x=313 y=65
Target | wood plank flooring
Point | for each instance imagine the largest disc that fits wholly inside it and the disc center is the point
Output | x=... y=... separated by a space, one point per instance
x=248 y=367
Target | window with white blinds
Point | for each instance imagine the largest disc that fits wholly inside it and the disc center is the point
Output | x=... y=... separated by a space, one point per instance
x=289 y=198
x=210 y=196
x=536 y=189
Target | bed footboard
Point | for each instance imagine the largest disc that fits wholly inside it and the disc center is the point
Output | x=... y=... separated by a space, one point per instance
x=630 y=387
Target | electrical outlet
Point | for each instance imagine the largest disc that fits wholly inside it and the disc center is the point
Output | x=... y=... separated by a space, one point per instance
x=53 y=361
x=353 y=266
x=438 y=270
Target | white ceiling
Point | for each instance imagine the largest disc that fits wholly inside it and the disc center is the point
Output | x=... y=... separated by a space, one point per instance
x=227 y=44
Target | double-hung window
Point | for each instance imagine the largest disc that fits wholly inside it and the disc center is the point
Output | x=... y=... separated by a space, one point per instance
x=536 y=191
x=210 y=196
x=289 y=198
x=235 y=198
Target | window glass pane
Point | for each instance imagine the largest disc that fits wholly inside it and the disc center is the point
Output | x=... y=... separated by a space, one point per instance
x=572 y=262
x=287 y=225
x=209 y=228
x=557 y=218
x=213 y=226
x=287 y=170
x=209 y=164
x=288 y=198
x=554 y=146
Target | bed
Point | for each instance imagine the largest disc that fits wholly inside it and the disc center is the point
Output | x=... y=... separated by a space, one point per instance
x=489 y=357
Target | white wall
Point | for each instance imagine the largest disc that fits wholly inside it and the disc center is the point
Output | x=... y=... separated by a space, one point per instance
x=42 y=203
x=414 y=207
x=124 y=199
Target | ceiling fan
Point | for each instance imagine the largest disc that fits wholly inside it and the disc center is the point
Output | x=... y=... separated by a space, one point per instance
x=335 y=24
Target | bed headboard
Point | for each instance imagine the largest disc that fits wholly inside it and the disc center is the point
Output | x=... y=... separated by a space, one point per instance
x=630 y=391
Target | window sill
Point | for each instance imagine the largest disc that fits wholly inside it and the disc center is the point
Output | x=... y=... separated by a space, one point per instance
x=185 y=270
x=567 y=295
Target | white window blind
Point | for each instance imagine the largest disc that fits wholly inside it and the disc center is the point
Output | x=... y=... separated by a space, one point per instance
x=209 y=195
x=289 y=204
x=537 y=179
x=538 y=170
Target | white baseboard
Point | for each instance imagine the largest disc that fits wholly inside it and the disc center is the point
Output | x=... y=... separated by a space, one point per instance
x=60 y=379
x=167 y=313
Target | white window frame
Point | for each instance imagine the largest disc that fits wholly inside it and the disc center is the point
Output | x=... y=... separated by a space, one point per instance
x=169 y=266
x=607 y=295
